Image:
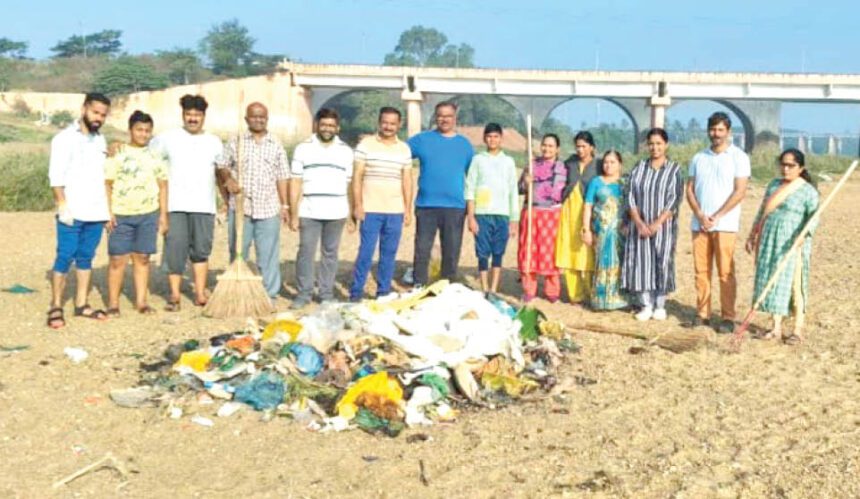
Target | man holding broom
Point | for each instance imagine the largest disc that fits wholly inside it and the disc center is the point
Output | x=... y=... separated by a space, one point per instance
x=264 y=179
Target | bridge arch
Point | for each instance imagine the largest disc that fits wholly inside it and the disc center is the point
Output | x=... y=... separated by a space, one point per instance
x=683 y=112
x=358 y=108
x=626 y=140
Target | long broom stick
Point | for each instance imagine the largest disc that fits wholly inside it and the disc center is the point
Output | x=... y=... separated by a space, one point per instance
x=783 y=263
x=529 y=189
x=239 y=291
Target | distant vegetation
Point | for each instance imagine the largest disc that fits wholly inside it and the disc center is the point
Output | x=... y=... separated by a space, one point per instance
x=82 y=63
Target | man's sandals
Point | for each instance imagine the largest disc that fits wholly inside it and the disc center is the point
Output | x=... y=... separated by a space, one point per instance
x=55 y=318
x=89 y=312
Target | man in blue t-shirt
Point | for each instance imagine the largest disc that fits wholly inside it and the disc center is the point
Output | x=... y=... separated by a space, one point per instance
x=444 y=157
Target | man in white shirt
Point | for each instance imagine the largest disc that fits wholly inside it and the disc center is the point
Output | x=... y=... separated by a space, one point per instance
x=76 y=174
x=191 y=154
x=320 y=204
x=717 y=184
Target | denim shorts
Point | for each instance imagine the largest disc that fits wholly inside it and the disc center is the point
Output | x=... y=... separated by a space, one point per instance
x=134 y=234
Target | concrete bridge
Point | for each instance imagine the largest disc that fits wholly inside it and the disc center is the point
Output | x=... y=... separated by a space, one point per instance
x=644 y=97
x=297 y=91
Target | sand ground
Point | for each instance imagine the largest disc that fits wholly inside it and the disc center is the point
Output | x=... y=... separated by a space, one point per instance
x=771 y=421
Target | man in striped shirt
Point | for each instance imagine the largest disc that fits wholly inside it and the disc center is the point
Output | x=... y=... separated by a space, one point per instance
x=382 y=198
x=320 y=205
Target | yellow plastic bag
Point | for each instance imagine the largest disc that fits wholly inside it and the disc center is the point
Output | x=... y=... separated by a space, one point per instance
x=291 y=328
x=197 y=360
x=377 y=384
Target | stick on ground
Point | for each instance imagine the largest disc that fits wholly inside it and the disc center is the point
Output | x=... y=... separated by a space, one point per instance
x=108 y=461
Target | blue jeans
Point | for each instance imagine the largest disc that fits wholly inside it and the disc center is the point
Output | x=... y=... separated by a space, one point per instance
x=77 y=244
x=385 y=227
x=492 y=239
x=266 y=234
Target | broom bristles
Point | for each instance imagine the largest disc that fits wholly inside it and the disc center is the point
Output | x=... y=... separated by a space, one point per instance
x=680 y=341
x=239 y=293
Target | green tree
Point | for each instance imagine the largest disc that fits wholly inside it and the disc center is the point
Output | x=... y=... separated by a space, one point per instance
x=420 y=46
x=482 y=109
x=12 y=49
x=229 y=49
x=128 y=74
x=103 y=43
x=182 y=66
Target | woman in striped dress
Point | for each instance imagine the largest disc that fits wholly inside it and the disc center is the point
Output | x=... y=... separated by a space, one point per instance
x=654 y=193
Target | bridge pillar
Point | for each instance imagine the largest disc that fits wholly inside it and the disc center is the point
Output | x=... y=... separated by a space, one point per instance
x=801 y=144
x=832 y=148
x=658 y=104
x=761 y=121
x=413 y=101
x=428 y=108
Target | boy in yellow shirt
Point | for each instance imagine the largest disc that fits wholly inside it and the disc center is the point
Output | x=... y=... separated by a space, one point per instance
x=136 y=184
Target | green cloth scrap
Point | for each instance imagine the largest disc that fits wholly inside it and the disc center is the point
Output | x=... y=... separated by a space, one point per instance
x=437 y=383
x=529 y=317
x=371 y=423
x=19 y=289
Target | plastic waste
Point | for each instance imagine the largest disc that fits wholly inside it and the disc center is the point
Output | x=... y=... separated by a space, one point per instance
x=307 y=359
x=141 y=396
x=529 y=318
x=228 y=409
x=288 y=327
x=264 y=391
x=242 y=344
x=196 y=360
x=219 y=390
x=371 y=423
x=511 y=385
x=380 y=405
x=502 y=306
x=75 y=354
x=203 y=421
x=438 y=385
x=322 y=328
x=379 y=383
x=18 y=289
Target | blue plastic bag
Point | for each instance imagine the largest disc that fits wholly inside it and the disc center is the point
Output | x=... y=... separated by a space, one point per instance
x=308 y=360
x=263 y=392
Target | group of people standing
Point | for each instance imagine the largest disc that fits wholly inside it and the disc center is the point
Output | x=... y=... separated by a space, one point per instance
x=612 y=236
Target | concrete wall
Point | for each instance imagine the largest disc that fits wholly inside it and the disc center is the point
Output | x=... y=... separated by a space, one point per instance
x=289 y=106
x=38 y=102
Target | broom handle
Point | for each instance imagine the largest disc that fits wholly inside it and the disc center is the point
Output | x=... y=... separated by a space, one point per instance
x=239 y=212
x=529 y=195
x=799 y=240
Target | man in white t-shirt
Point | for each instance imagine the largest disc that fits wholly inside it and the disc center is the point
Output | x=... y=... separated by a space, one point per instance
x=320 y=204
x=191 y=154
x=77 y=177
x=716 y=186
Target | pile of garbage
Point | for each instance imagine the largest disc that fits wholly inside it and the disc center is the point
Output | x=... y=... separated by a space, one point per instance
x=404 y=360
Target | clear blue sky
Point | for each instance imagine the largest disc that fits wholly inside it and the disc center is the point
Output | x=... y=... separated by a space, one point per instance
x=726 y=35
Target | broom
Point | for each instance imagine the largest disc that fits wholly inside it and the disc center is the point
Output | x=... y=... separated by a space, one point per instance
x=674 y=341
x=239 y=291
x=740 y=330
x=529 y=195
